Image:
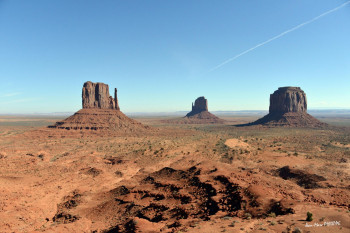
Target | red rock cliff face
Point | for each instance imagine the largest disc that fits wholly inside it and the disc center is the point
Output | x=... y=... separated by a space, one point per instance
x=96 y=95
x=288 y=99
x=201 y=104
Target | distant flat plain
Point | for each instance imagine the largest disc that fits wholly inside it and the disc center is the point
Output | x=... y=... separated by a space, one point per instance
x=334 y=117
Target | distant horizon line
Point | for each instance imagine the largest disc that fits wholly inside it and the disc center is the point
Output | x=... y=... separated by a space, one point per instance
x=164 y=112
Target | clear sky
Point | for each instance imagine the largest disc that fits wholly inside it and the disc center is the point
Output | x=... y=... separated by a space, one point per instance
x=162 y=55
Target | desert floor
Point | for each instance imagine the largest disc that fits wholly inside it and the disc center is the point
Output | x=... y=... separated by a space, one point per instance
x=177 y=178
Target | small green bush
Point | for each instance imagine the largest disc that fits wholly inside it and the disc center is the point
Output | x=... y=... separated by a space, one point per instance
x=247 y=216
x=309 y=216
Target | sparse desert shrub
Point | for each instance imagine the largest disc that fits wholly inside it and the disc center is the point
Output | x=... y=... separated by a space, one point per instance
x=248 y=216
x=226 y=158
x=343 y=160
x=308 y=157
x=272 y=215
x=118 y=173
x=297 y=230
x=309 y=216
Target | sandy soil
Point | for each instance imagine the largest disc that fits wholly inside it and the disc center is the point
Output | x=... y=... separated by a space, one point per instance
x=183 y=178
x=236 y=143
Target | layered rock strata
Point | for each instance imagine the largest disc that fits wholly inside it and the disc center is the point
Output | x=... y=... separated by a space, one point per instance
x=288 y=99
x=200 y=105
x=200 y=113
x=288 y=107
x=96 y=95
x=100 y=112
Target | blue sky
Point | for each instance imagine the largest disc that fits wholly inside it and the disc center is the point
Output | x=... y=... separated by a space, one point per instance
x=161 y=54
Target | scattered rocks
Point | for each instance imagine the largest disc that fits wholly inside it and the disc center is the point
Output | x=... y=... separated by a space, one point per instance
x=64 y=218
x=91 y=171
x=69 y=202
x=170 y=196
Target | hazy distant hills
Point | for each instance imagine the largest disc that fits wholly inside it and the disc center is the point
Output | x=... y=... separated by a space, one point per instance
x=315 y=112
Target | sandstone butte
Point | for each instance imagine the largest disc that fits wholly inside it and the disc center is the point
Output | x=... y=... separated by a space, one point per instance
x=100 y=112
x=96 y=95
x=200 y=113
x=288 y=107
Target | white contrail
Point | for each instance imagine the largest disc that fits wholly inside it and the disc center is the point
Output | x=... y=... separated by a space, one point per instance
x=280 y=35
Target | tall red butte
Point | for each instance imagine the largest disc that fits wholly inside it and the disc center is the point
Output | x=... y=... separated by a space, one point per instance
x=200 y=113
x=100 y=112
x=288 y=107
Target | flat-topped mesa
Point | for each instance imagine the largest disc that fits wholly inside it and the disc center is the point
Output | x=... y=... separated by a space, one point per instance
x=288 y=107
x=288 y=99
x=96 y=95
